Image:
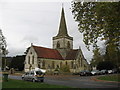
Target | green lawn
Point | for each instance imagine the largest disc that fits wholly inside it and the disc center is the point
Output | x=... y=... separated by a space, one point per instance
x=110 y=77
x=26 y=84
x=0 y=78
x=0 y=82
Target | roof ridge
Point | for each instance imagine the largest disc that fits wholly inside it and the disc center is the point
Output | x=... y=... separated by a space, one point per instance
x=43 y=47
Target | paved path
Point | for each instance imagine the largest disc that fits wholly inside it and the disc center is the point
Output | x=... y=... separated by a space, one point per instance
x=81 y=82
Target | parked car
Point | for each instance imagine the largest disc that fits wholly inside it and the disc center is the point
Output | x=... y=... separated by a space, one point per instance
x=85 y=73
x=115 y=70
x=110 y=71
x=34 y=76
x=95 y=72
x=103 y=72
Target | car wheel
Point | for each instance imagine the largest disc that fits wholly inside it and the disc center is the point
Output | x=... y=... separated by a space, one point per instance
x=42 y=80
x=23 y=78
x=33 y=80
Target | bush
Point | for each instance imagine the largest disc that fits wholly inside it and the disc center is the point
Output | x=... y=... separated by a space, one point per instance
x=65 y=68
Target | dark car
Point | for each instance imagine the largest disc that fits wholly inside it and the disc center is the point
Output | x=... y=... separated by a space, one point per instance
x=85 y=73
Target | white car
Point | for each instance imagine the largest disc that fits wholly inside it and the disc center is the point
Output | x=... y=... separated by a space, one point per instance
x=35 y=75
x=110 y=71
x=95 y=72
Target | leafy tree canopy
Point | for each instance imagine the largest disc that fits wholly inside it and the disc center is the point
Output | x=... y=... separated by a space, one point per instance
x=98 y=20
x=105 y=65
x=3 y=44
x=18 y=62
x=97 y=57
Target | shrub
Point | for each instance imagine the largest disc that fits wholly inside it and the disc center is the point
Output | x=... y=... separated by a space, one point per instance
x=65 y=68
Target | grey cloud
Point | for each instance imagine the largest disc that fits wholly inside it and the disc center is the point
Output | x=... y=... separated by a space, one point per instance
x=37 y=23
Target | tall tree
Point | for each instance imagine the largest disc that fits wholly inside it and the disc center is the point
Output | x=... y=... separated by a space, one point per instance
x=97 y=57
x=3 y=50
x=18 y=62
x=112 y=54
x=3 y=44
x=99 y=21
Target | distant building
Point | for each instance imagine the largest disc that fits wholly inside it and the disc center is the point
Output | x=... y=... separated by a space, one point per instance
x=62 y=53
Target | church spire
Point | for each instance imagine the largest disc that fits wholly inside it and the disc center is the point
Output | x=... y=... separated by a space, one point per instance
x=62 y=41
x=62 y=27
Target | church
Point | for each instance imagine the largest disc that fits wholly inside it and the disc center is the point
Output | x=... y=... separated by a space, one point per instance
x=62 y=54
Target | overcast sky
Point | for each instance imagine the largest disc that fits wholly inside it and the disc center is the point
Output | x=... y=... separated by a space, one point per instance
x=33 y=21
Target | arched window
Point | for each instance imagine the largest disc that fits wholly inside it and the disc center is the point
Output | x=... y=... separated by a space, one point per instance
x=43 y=64
x=71 y=64
x=84 y=67
x=58 y=44
x=60 y=64
x=32 y=59
x=39 y=65
x=48 y=66
x=68 y=44
x=81 y=63
x=53 y=64
x=66 y=63
x=28 y=59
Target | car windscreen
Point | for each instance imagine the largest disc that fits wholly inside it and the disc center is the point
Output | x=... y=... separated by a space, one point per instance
x=39 y=72
x=95 y=71
x=26 y=73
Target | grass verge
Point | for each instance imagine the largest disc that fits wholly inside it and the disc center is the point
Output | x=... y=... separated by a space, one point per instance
x=25 y=84
x=0 y=83
x=0 y=78
x=115 y=77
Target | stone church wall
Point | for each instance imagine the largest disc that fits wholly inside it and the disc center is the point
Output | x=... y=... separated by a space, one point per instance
x=51 y=64
x=30 y=60
x=63 y=43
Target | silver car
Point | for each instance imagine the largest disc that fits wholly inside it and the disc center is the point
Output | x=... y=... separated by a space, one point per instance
x=95 y=72
x=33 y=76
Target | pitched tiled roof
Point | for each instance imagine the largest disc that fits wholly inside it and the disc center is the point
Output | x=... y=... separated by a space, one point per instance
x=47 y=53
x=71 y=55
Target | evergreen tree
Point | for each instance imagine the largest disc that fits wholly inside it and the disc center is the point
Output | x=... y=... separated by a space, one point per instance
x=97 y=57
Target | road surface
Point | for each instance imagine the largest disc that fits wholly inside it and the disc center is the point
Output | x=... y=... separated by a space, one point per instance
x=76 y=81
